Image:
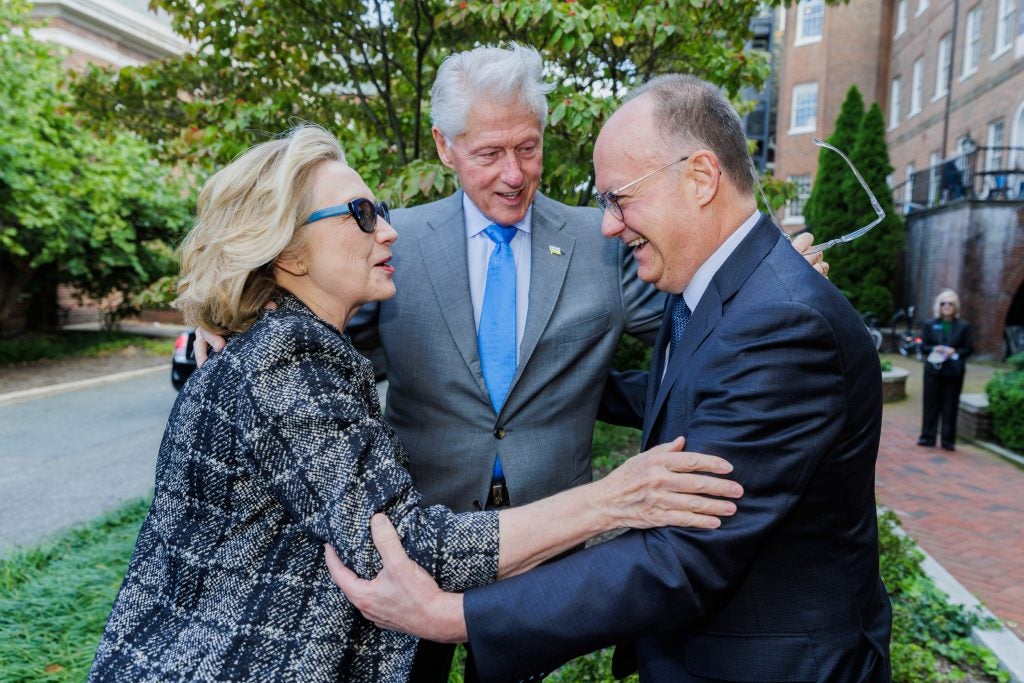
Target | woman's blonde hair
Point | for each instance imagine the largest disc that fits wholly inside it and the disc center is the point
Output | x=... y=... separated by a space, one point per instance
x=250 y=213
x=949 y=295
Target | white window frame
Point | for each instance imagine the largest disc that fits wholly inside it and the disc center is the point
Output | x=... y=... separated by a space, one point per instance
x=908 y=186
x=995 y=141
x=895 y=88
x=922 y=5
x=803 y=190
x=901 y=17
x=811 y=125
x=943 y=66
x=801 y=37
x=972 y=43
x=1005 y=27
x=916 y=88
x=933 y=177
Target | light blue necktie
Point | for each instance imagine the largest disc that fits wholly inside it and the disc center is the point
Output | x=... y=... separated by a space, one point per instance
x=496 y=338
x=680 y=317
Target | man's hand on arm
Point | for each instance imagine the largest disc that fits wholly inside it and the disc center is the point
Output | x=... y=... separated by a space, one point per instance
x=802 y=243
x=403 y=596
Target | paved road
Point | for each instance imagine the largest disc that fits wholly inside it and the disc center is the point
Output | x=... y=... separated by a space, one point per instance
x=66 y=458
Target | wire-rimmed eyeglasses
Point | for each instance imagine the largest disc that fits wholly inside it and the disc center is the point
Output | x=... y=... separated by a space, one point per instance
x=879 y=211
x=609 y=201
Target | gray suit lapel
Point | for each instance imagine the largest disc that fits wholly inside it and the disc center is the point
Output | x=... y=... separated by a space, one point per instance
x=445 y=243
x=550 y=253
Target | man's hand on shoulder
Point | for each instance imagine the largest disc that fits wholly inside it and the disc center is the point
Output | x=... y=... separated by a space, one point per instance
x=402 y=597
x=802 y=243
x=205 y=341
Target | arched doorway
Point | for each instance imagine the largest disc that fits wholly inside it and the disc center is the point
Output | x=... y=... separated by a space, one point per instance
x=1014 y=329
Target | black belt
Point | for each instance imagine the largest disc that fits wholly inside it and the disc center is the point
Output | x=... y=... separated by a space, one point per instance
x=497 y=495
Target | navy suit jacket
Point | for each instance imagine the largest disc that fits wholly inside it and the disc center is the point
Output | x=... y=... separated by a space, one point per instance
x=776 y=373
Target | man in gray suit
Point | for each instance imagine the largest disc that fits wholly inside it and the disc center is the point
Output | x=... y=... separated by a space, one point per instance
x=575 y=295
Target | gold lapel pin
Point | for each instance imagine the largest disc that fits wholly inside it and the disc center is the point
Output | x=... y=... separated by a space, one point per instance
x=554 y=251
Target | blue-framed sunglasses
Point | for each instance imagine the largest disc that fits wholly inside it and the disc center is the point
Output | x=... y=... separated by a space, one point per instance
x=363 y=210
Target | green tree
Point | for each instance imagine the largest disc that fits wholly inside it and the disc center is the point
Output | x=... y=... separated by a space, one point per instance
x=868 y=269
x=97 y=213
x=827 y=209
x=363 y=68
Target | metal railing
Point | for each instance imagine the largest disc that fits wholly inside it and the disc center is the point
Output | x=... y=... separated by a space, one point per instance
x=988 y=173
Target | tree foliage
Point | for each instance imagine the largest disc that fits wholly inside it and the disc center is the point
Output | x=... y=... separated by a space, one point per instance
x=867 y=270
x=363 y=69
x=95 y=212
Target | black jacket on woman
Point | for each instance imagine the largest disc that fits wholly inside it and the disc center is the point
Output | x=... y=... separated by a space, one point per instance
x=959 y=337
x=273 y=448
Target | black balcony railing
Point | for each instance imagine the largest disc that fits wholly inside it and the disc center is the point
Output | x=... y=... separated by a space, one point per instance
x=988 y=173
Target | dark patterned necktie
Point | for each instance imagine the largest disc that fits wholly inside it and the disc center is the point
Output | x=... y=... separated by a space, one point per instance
x=680 y=317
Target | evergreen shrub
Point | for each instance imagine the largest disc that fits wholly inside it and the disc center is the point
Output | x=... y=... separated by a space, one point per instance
x=1006 y=404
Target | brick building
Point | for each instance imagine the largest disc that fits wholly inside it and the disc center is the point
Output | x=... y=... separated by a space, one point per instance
x=949 y=74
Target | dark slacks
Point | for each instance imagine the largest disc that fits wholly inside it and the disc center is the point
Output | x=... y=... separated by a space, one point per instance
x=941 y=398
x=433 y=662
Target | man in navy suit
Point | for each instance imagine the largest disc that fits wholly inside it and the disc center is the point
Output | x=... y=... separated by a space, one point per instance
x=759 y=360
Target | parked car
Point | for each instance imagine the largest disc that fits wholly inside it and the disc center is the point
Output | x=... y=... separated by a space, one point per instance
x=183 y=360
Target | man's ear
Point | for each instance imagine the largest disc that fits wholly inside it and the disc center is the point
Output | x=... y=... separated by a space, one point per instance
x=444 y=150
x=706 y=174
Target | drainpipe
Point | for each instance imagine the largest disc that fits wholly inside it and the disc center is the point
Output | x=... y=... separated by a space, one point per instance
x=949 y=79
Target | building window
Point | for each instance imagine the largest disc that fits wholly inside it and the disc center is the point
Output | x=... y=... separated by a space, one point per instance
x=1004 y=26
x=972 y=42
x=917 y=87
x=810 y=21
x=933 y=177
x=901 y=17
x=994 y=153
x=943 y=65
x=908 y=187
x=922 y=5
x=805 y=108
x=795 y=207
x=894 y=103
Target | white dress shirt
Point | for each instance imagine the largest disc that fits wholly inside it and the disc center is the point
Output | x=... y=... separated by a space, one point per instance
x=478 y=252
x=702 y=278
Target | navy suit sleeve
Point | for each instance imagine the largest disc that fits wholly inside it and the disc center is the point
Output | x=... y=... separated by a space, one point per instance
x=770 y=398
x=622 y=402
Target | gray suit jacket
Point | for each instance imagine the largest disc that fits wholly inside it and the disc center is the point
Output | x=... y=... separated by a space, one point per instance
x=581 y=302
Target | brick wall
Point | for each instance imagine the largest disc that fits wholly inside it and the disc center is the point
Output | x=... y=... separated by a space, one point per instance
x=977 y=249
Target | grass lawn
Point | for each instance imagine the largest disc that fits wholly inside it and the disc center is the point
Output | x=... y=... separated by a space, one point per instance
x=31 y=347
x=54 y=599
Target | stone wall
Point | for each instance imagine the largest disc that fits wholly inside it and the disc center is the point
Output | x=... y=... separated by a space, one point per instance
x=975 y=248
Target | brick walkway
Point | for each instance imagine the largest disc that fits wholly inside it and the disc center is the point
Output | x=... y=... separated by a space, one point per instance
x=965 y=508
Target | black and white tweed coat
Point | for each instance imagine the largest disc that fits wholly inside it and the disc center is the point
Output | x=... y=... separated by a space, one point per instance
x=275 y=446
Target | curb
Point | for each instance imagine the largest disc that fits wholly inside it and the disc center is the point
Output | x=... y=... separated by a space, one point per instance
x=28 y=394
x=1004 y=643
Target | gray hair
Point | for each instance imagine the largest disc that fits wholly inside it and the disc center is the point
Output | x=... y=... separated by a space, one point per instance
x=497 y=74
x=694 y=112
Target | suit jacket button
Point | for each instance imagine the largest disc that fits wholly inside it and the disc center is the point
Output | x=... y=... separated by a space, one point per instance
x=499 y=433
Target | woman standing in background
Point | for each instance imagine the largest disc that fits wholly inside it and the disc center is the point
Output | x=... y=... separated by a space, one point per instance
x=946 y=339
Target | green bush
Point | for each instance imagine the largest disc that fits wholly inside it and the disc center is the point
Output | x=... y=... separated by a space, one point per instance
x=926 y=627
x=1006 y=404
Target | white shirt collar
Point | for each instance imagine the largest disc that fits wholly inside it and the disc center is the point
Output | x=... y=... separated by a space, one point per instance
x=702 y=278
x=477 y=222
